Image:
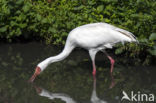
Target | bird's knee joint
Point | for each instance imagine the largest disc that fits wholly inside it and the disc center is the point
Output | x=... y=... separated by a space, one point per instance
x=112 y=61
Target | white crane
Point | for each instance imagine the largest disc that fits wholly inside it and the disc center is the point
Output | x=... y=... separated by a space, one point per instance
x=94 y=37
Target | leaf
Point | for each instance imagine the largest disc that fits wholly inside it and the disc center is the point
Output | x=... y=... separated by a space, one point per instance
x=23 y=25
x=18 y=32
x=118 y=51
x=152 y=36
x=144 y=40
x=51 y=30
x=44 y=20
x=100 y=8
x=19 y=2
x=152 y=52
x=90 y=2
x=26 y=7
x=13 y=23
x=79 y=8
x=38 y=17
x=107 y=20
x=3 y=29
x=18 y=12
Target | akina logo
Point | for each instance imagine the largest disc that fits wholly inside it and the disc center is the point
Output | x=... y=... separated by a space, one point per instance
x=139 y=97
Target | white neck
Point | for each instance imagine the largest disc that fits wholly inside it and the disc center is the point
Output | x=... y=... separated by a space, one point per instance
x=67 y=50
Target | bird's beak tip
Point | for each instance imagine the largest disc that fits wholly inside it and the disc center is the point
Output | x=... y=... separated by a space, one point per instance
x=37 y=72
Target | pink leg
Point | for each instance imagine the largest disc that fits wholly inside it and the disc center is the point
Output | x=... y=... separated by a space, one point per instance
x=94 y=69
x=111 y=71
x=112 y=63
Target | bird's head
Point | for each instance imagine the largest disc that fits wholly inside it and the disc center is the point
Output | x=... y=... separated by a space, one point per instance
x=40 y=67
x=36 y=73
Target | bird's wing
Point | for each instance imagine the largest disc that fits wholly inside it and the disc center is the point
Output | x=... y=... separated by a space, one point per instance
x=122 y=31
x=108 y=45
x=126 y=33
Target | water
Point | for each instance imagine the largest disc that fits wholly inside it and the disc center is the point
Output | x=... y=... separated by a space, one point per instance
x=67 y=81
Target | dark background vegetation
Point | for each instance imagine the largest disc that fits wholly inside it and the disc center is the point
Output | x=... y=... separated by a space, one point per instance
x=51 y=21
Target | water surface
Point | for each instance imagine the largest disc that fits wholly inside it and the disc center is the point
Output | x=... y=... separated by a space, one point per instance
x=67 y=81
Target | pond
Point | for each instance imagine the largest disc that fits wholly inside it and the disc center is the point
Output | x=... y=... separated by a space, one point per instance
x=70 y=80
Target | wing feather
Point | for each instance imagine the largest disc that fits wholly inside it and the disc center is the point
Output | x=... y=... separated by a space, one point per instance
x=124 y=32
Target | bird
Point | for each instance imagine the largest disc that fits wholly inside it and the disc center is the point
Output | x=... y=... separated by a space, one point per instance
x=93 y=37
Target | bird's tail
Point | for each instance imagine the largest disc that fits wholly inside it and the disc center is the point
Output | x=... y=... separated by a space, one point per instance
x=128 y=34
x=124 y=32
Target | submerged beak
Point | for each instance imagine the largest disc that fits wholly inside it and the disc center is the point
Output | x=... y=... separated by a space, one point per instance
x=37 y=72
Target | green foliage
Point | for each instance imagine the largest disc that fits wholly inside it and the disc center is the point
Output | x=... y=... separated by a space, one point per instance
x=152 y=36
x=53 y=21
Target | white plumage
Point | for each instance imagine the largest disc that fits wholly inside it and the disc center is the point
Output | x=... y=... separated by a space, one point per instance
x=93 y=37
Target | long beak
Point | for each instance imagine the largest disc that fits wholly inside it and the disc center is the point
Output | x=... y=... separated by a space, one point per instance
x=37 y=72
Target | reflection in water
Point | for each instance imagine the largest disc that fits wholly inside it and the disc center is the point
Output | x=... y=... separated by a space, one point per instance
x=52 y=96
x=94 y=97
x=66 y=98
x=112 y=81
